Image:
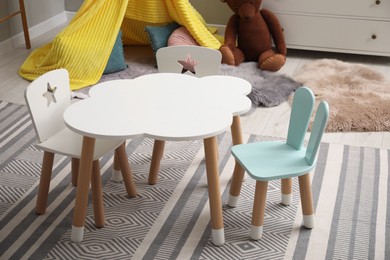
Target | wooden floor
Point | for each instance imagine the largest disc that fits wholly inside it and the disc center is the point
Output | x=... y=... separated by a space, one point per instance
x=262 y=121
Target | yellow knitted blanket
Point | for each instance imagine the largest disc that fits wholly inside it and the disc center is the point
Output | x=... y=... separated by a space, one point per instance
x=85 y=45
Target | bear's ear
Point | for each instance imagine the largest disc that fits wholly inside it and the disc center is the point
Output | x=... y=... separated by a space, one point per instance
x=223 y=1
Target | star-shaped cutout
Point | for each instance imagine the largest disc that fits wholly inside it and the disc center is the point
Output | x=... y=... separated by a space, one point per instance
x=50 y=94
x=188 y=64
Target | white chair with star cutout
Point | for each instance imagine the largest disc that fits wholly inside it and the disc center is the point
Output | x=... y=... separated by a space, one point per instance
x=185 y=59
x=47 y=98
x=195 y=60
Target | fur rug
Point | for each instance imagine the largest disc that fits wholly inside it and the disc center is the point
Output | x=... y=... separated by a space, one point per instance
x=358 y=97
x=268 y=88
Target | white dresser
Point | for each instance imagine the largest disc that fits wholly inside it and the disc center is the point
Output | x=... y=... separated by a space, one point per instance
x=349 y=26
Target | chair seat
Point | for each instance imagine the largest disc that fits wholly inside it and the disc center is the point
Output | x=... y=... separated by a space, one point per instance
x=265 y=161
x=68 y=143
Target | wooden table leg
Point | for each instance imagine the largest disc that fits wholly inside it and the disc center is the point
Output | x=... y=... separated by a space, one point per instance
x=158 y=151
x=238 y=173
x=211 y=156
x=120 y=154
x=84 y=179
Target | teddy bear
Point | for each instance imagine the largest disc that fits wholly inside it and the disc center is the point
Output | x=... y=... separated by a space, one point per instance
x=249 y=34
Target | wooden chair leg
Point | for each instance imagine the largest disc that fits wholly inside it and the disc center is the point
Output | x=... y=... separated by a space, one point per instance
x=258 y=209
x=286 y=191
x=44 y=182
x=97 y=195
x=116 y=170
x=239 y=172
x=75 y=170
x=236 y=184
x=120 y=154
x=158 y=151
x=116 y=163
x=306 y=200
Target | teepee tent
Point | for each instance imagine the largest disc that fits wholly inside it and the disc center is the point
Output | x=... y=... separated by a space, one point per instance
x=85 y=45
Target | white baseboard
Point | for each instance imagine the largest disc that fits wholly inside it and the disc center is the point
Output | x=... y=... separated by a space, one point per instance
x=69 y=15
x=220 y=28
x=35 y=31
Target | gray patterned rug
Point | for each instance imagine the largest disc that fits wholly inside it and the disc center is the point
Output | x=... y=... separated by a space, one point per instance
x=170 y=220
x=268 y=88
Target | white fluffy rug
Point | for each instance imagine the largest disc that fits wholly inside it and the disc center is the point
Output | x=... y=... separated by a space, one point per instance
x=358 y=97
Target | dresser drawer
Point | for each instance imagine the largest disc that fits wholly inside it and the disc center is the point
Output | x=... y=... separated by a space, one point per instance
x=361 y=8
x=336 y=34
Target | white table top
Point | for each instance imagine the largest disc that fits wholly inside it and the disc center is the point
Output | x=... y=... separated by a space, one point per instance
x=162 y=106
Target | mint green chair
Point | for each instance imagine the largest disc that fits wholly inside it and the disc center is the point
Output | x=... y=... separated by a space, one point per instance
x=271 y=160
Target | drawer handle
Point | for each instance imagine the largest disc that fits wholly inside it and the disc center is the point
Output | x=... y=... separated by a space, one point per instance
x=373 y=36
x=377 y=2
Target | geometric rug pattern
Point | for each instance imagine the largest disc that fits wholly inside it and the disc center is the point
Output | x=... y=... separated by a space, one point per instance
x=171 y=220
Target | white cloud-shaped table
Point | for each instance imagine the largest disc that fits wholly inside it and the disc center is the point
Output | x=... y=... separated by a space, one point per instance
x=162 y=106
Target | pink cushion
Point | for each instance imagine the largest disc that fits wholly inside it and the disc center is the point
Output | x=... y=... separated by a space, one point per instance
x=181 y=36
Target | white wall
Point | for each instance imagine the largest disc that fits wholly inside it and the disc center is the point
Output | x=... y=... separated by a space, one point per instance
x=73 y=5
x=37 y=11
x=213 y=11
